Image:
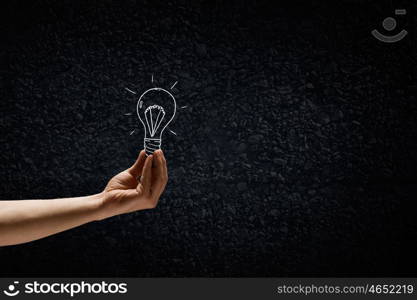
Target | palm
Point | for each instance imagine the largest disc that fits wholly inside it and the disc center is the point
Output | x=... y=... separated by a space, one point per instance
x=122 y=181
x=124 y=186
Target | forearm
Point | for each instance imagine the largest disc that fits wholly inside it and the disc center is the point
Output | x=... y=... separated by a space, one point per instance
x=27 y=220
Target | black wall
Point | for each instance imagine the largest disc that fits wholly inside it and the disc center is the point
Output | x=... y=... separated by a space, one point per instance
x=296 y=154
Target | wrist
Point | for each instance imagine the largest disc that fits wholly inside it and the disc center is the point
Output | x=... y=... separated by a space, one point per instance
x=97 y=206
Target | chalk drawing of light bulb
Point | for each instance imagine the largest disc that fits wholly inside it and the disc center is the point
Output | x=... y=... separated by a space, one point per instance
x=156 y=109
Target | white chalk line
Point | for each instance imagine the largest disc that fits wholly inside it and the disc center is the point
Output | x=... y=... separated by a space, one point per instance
x=129 y=90
x=139 y=106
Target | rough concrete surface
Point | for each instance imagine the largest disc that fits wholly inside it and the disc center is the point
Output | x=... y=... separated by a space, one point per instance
x=295 y=154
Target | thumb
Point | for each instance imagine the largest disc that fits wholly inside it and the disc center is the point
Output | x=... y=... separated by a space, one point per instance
x=136 y=169
x=146 y=179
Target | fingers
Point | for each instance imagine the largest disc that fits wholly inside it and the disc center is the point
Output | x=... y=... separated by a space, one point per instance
x=160 y=174
x=136 y=169
x=165 y=167
x=146 y=178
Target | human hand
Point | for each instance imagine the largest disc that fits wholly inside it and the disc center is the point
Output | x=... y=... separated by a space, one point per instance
x=136 y=188
x=27 y=220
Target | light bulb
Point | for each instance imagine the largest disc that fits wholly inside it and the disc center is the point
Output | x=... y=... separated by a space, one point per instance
x=156 y=108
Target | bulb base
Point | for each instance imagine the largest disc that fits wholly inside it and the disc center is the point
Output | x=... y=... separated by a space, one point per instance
x=151 y=145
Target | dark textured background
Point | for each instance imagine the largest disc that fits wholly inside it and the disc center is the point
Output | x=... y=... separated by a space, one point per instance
x=296 y=155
